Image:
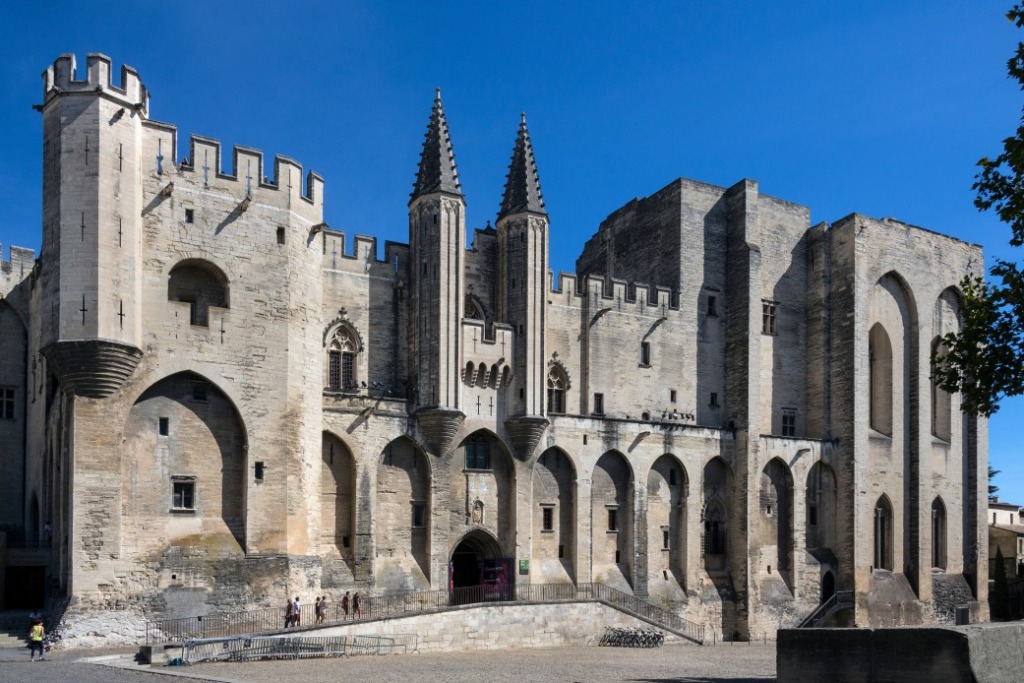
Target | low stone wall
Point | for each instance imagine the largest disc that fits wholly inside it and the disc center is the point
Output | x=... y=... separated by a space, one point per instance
x=984 y=653
x=498 y=627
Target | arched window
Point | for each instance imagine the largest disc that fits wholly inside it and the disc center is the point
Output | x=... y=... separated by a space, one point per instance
x=341 y=360
x=820 y=508
x=473 y=310
x=938 y=534
x=941 y=400
x=557 y=384
x=880 y=395
x=201 y=285
x=883 y=534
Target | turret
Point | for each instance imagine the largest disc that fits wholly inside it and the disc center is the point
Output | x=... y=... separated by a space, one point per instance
x=437 y=239
x=523 y=257
x=92 y=214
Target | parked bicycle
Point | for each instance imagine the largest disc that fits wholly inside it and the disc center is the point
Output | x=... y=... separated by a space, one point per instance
x=631 y=637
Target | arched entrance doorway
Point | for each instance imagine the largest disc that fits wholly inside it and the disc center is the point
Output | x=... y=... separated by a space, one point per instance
x=477 y=571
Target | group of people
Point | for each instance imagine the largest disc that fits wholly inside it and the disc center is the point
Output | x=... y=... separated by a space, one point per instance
x=293 y=610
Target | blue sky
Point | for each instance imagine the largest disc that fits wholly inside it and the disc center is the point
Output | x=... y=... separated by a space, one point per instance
x=877 y=107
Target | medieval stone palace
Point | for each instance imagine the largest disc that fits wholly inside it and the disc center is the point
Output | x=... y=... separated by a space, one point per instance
x=210 y=399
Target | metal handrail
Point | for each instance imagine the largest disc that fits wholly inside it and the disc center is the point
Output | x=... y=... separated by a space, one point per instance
x=223 y=625
x=837 y=599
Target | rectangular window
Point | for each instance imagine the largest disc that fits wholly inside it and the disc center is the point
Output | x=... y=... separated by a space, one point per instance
x=556 y=401
x=664 y=539
x=478 y=454
x=645 y=353
x=613 y=519
x=561 y=551
x=714 y=399
x=190 y=215
x=419 y=515
x=280 y=235
x=6 y=403
x=164 y=426
x=812 y=515
x=599 y=404
x=334 y=370
x=789 y=424
x=260 y=470
x=348 y=375
x=199 y=391
x=769 y=322
x=183 y=494
x=712 y=306
x=672 y=396
x=549 y=518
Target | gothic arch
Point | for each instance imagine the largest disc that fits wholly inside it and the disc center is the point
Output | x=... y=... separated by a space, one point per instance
x=821 y=506
x=776 y=518
x=483 y=479
x=612 y=520
x=402 y=515
x=186 y=449
x=716 y=504
x=881 y=380
x=338 y=476
x=554 y=525
x=558 y=387
x=667 y=492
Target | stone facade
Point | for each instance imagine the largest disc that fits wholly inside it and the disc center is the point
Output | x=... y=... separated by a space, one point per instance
x=218 y=399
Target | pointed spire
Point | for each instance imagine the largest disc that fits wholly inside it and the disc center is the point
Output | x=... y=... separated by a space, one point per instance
x=522 y=185
x=437 y=172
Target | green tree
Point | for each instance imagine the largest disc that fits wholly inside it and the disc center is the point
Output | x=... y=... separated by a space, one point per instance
x=999 y=603
x=992 y=488
x=985 y=360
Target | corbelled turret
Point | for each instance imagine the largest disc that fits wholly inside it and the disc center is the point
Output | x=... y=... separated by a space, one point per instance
x=523 y=253
x=437 y=241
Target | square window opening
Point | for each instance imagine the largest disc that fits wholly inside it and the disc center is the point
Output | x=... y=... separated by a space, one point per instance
x=164 y=426
x=599 y=404
x=419 y=515
x=190 y=215
x=183 y=494
x=548 y=521
x=280 y=235
x=613 y=519
x=672 y=395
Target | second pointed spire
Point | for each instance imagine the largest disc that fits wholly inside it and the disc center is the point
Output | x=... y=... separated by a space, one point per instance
x=522 y=185
x=437 y=171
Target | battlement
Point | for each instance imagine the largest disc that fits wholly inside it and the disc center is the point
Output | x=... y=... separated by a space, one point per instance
x=20 y=264
x=62 y=78
x=247 y=166
x=571 y=291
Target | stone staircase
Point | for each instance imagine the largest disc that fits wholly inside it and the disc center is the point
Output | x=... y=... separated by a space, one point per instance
x=12 y=639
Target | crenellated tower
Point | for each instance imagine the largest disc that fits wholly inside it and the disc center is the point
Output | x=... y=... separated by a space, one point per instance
x=523 y=263
x=92 y=213
x=437 y=239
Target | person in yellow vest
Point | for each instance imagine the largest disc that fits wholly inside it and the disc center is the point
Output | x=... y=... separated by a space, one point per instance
x=35 y=638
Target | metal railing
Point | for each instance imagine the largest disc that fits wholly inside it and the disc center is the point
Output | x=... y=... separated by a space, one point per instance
x=240 y=649
x=837 y=601
x=225 y=625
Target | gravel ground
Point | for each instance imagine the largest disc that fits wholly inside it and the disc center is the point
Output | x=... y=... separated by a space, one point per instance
x=740 y=663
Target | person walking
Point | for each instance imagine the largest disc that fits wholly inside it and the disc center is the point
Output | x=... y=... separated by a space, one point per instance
x=324 y=606
x=296 y=612
x=289 y=613
x=344 y=606
x=356 y=610
x=316 y=610
x=35 y=640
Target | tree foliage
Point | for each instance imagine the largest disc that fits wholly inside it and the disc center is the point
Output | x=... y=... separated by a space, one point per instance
x=985 y=360
x=992 y=488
